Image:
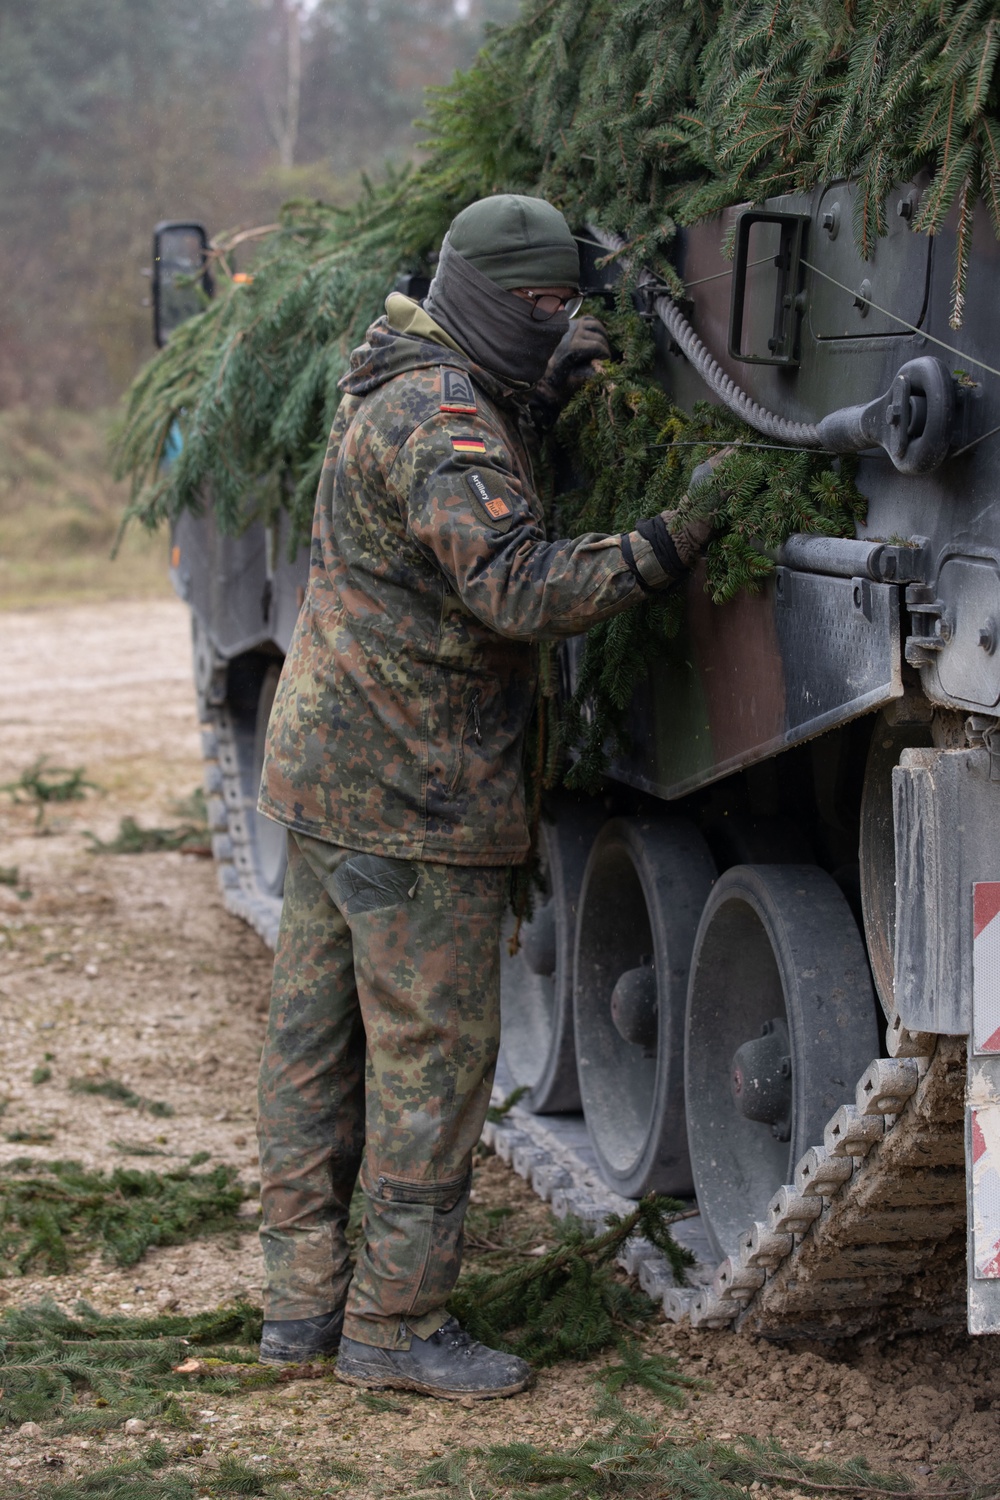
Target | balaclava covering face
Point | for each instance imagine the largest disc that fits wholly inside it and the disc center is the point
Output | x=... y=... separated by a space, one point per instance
x=491 y=247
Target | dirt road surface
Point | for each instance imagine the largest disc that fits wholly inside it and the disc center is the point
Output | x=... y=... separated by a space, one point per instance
x=127 y=967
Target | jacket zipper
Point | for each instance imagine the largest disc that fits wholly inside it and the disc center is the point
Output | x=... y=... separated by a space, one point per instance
x=477 y=727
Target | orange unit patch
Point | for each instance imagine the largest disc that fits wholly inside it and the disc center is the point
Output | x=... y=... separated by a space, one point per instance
x=498 y=509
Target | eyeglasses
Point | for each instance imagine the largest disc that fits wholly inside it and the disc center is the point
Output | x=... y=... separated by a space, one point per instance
x=545 y=305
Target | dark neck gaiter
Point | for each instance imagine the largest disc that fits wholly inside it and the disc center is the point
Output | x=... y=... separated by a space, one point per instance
x=494 y=327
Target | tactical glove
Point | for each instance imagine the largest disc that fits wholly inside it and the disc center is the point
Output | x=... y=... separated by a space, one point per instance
x=677 y=544
x=571 y=365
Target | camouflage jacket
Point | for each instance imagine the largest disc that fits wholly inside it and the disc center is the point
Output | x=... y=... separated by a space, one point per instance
x=399 y=721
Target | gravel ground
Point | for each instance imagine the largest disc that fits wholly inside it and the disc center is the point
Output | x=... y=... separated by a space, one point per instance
x=129 y=968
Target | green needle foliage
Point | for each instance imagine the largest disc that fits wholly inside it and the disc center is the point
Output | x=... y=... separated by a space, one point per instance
x=639 y=116
x=190 y=836
x=635 y=1457
x=131 y=838
x=569 y=1303
x=93 y=1372
x=127 y=1479
x=43 y=784
x=657 y=1373
x=637 y=452
x=113 y=1088
x=53 y=1212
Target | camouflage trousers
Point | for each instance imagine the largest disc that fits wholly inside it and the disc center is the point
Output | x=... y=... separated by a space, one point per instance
x=378 y=1063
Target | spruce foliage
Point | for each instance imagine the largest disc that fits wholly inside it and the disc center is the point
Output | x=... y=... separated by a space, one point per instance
x=637 y=115
x=51 y=1212
x=640 y=114
x=635 y=1457
x=568 y=1303
x=93 y=1372
x=637 y=451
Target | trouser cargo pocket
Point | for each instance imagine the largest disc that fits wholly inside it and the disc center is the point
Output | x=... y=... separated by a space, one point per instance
x=413 y=1249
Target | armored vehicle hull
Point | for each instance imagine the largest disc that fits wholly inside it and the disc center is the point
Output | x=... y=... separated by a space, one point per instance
x=763 y=963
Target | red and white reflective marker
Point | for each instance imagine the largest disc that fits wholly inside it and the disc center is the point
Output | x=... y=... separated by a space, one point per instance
x=985 y=1112
x=986 y=1191
x=986 y=966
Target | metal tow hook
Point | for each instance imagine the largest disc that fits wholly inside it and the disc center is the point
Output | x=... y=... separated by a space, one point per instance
x=477 y=727
x=913 y=421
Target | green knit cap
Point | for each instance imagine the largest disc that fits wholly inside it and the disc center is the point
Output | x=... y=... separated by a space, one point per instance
x=516 y=241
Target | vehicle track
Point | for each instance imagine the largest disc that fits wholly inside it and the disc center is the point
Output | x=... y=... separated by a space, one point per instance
x=231 y=799
x=872 y=1229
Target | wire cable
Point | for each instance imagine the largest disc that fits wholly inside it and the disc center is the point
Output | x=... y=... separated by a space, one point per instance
x=799 y=434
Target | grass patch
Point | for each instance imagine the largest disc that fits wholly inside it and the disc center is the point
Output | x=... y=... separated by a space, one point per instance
x=60 y=513
x=53 y=1212
x=40 y=785
x=120 y=1093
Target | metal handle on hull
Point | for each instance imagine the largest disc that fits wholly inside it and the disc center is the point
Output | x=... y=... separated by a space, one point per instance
x=913 y=421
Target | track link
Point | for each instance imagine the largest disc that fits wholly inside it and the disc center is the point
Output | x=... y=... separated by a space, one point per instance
x=874 y=1223
x=871 y=1231
x=231 y=803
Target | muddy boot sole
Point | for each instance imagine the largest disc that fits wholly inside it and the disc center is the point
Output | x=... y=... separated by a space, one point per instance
x=351 y=1373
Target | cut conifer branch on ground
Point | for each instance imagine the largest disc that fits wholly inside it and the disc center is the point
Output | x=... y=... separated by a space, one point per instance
x=569 y=1303
x=51 y=1213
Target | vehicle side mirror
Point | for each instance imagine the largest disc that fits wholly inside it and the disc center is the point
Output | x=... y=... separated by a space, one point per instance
x=181 y=282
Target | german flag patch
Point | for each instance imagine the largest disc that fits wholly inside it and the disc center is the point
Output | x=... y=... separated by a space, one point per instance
x=468 y=445
x=495 y=509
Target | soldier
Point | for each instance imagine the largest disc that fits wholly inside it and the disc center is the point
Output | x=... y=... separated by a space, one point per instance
x=394 y=760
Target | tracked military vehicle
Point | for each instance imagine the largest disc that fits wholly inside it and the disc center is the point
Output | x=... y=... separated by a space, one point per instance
x=766 y=964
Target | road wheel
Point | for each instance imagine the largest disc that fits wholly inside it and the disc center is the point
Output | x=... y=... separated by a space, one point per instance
x=780 y=1025
x=643 y=891
x=536 y=983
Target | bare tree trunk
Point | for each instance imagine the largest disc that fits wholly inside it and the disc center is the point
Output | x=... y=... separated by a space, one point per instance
x=293 y=85
x=283 y=116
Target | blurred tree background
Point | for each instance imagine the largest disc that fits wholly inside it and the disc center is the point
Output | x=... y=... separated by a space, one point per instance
x=115 y=114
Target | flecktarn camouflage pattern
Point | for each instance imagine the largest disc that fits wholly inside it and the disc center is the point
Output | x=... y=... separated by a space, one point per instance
x=405 y=954
x=394 y=758
x=399 y=722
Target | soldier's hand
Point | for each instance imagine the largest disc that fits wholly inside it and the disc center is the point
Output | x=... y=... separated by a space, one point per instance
x=691 y=536
x=572 y=364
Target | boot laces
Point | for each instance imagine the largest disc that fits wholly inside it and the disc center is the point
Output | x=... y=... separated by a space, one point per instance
x=456 y=1336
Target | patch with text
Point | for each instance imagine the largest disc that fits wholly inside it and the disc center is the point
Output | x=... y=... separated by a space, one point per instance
x=496 y=509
